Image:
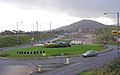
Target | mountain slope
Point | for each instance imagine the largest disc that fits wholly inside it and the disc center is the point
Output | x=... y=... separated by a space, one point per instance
x=84 y=26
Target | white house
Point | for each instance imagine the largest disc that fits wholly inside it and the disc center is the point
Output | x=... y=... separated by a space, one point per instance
x=83 y=40
x=76 y=42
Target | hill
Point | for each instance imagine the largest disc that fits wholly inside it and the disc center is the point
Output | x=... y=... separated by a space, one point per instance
x=84 y=26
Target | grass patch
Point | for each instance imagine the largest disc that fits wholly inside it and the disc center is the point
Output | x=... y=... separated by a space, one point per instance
x=73 y=50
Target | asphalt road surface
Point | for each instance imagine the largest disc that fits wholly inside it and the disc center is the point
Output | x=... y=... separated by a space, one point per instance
x=78 y=64
x=14 y=70
x=82 y=64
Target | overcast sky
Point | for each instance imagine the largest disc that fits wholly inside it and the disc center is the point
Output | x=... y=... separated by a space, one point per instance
x=59 y=12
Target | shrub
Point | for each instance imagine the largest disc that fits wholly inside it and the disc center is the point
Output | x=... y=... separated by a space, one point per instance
x=51 y=45
x=57 y=45
x=4 y=54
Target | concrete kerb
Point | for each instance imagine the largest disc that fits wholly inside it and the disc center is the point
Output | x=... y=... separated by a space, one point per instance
x=108 y=50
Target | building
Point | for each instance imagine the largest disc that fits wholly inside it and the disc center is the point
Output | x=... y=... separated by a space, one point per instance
x=83 y=40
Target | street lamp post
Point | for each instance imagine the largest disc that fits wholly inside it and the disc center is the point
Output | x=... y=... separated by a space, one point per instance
x=117 y=14
x=50 y=26
x=17 y=34
x=17 y=39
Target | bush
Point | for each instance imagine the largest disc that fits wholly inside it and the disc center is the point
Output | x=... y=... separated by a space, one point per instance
x=57 y=45
x=4 y=54
x=51 y=45
x=64 y=45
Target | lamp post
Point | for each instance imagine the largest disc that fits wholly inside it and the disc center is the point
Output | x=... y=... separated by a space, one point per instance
x=37 y=25
x=50 y=27
x=117 y=14
x=17 y=34
x=17 y=39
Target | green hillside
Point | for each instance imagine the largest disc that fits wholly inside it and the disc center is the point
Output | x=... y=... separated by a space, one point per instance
x=11 y=40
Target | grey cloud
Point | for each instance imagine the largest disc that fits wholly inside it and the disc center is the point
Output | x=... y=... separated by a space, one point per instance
x=78 y=8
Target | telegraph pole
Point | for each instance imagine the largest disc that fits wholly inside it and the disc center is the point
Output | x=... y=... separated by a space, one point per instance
x=50 y=26
x=117 y=18
x=17 y=35
x=37 y=25
x=17 y=32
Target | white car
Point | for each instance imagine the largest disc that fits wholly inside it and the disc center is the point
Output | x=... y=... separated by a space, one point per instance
x=90 y=53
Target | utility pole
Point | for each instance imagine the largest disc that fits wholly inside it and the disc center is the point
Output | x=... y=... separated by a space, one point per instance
x=37 y=25
x=17 y=35
x=50 y=26
x=33 y=31
x=117 y=20
x=17 y=32
x=118 y=31
x=32 y=39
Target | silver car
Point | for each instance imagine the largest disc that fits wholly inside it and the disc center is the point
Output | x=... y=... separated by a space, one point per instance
x=90 y=53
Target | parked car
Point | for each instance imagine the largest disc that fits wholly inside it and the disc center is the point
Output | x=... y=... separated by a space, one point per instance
x=90 y=53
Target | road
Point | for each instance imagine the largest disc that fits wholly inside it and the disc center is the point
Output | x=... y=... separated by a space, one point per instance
x=14 y=70
x=78 y=64
x=82 y=64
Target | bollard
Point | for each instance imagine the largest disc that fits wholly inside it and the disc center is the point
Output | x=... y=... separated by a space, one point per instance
x=39 y=68
x=30 y=73
x=67 y=61
x=43 y=54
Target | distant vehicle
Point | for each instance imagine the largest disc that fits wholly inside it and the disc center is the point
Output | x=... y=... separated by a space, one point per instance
x=61 y=43
x=90 y=53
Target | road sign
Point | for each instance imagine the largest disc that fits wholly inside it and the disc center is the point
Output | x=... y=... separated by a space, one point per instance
x=114 y=32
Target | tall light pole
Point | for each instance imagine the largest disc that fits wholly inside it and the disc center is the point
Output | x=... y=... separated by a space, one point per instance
x=33 y=30
x=32 y=39
x=37 y=25
x=17 y=34
x=50 y=26
x=117 y=18
x=17 y=39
